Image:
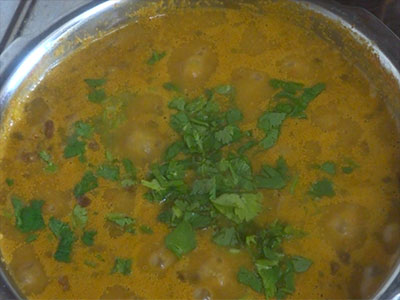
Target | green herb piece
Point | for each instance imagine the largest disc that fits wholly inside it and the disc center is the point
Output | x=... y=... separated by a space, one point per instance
x=154 y=185
x=94 y=83
x=129 y=178
x=9 y=181
x=227 y=237
x=83 y=129
x=97 y=96
x=242 y=149
x=234 y=116
x=146 y=229
x=269 y=273
x=225 y=89
x=79 y=217
x=31 y=237
x=270 y=123
x=66 y=238
x=122 y=265
x=28 y=218
x=226 y=135
x=349 y=168
x=156 y=57
x=173 y=150
x=169 y=86
x=51 y=167
x=288 y=86
x=273 y=178
x=329 y=167
x=250 y=279
x=181 y=240
x=87 y=183
x=107 y=171
x=88 y=237
x=125 y=222
x=90 y=263
x=238 y=208
x=74 y=147
x=321 y=188
x=300 y=263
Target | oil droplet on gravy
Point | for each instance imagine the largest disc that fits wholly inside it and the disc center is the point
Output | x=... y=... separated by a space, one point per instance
x=353 y=237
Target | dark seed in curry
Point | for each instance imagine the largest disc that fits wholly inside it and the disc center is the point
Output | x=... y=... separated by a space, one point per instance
x=49 y=129
x=94 y=146
x=64 y=282
x=83 y=201
x=334 y=267
x=344 y=256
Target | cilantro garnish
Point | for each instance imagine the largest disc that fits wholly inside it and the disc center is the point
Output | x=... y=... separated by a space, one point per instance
x=250 y=279
x=108 y=171
x=76 y=143
x=87 y=183
x=28 y=218
x=169 y=86
x=94 y=83
x=96 y=94
x=88 y=237
x=321 y=188
x=227 y=237
x=66 y=238
x=122 y=265
x=30 y=238
x=349 y=167
x=181 y=240
x=273 y=178
x=156 y=57
x=9 y=181
x=79 y=217
x=125 y=222
x=329 y=167
x=238 y=208
x=146 y=229
x=51 y=167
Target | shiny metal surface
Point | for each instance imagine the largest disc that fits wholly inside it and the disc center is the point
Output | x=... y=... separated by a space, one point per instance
x=110 y=15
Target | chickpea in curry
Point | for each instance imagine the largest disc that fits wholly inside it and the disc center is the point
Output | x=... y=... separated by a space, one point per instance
x=204 y=154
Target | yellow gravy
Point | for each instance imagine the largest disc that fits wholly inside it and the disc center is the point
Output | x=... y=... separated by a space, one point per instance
x=352 y=238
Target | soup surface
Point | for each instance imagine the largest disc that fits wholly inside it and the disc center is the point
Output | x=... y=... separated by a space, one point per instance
x=204 y=154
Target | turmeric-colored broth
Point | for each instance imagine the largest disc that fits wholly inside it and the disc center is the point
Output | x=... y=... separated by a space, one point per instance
x=352 y=238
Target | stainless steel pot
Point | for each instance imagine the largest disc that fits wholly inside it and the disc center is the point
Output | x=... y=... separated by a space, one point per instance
x=354 y=31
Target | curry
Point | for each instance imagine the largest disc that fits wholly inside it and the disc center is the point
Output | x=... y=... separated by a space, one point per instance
x=207 y=154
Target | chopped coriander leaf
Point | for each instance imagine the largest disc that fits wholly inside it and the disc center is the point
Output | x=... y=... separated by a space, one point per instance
x=28 y=218
x=125 y=222
x=122 y=265
x=177 y=103
x=225 y=89
x=321 y=188
x=97 y=96
x=154 y=185
x=51 y=167
x=66 y=239
x=181 y=240
x=155 y=57
x=87 y=183
x=9 y=181
x=234 y=116
x=30 y=238
x=107 y=171
x=88 y=237
x=146 y=229
x=238 y=207
x=90 y=263
x=79 y=217
x=349 y=167
x=83 y=129
x=227 y=237
x=94 y=83
x=74 y=147
x=250 y=279
x=169 y=86
x=242 y=149
x=226 y=135
x=129 y=167
x=173 y=150
x=270 y=123
x=301 y=264
x=329 y=167
x=288 y=86
x=273 y=178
